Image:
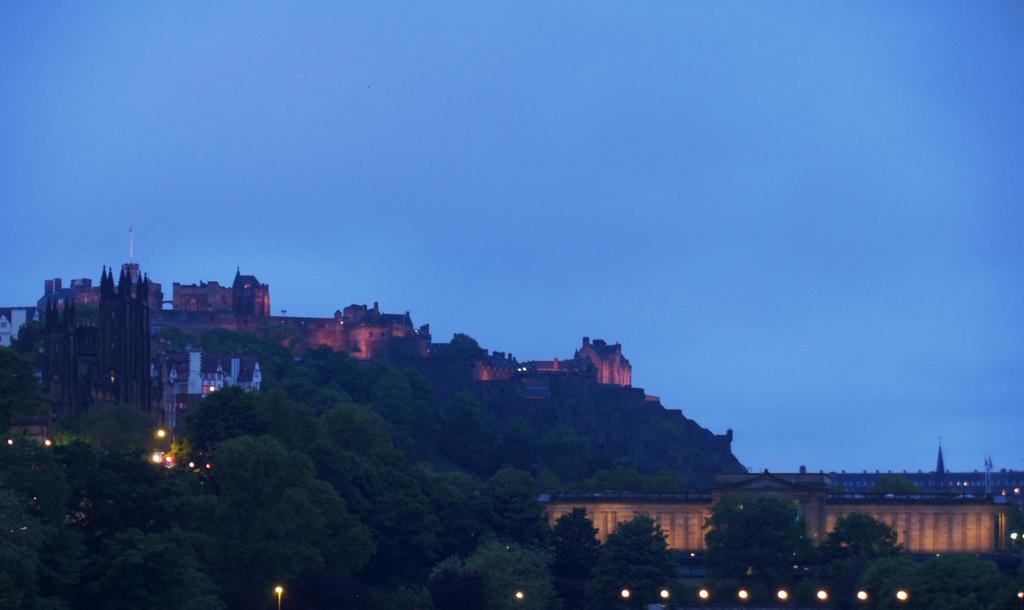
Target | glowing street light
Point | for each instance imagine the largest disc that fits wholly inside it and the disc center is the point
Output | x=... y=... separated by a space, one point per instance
x=520 y=596
x=625 y=593
x=664 y=594
x=822 y=595
x=902 y=595
x=278 y=591
x=1014 y=535
x=157 y=457
x=743 y=595
x=704 y=594
x=783 y=595
x=161 y=433
x=862 y=596
x=47 y=443
x=10 y=442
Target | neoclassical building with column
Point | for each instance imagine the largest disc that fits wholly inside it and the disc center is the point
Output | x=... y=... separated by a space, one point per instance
x=923 y=522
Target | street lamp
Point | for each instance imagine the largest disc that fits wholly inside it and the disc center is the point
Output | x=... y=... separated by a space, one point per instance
x=862 y=596
x=902 y=595
x=822 y=595
x=783 y=595
x=664 y=594
x=520 y=596
x=703 y=594
x=161 y=433
x=625 y=594
x=279 y=591
x=743 y=595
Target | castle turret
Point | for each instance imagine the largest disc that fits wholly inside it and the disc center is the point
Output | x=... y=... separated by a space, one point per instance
x=612 y=367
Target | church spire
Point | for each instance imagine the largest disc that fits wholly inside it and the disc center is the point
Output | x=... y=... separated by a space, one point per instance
x=940 y=466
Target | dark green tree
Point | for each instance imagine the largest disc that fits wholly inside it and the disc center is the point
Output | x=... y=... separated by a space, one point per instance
x=566 y=453
x=510 y=568
x=519 y=446
x=957 y=582
x=404 y=399
x=30 y=338
x=462 y=512
x=860 y=535
x=356 y=456
x=894 y=485
x=625 y=477
x=465 y=440
x=140 y=570
x=850 y=548
x=19 y=388
x=885 y=576
x=453 y=586
x=232 y=412
x=635 y=557
x=758 y=537
x=19 y=553
x=274 y=520
x=515 y=514
x=576 y=550
x=464 y=347
x=115 y=427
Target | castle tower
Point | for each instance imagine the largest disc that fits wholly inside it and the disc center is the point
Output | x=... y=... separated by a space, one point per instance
x=249 y=296
x=612 y=367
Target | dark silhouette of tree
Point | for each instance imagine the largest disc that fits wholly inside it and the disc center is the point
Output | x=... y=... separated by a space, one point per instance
x=894 y=485
x=30 y=338
x=465 y=440
x=140 y=570
x=19 y=388
x=464 y=347
x=509 y=568
x=576 y=550
x=635 y=557
x=274 y=519
x=453 y=586
x=851 y=547
x=760 y=538
x=514 y=513
x=519 y=446
x=566 y=453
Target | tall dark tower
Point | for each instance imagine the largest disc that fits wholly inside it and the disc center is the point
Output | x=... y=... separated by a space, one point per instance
x=249 y=297
x=123 y=342
x=106 y=362
x=60 y=377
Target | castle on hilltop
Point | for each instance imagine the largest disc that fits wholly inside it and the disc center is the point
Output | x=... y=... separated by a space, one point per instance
x=362 y=332
x=123 y=357
x=246 y=296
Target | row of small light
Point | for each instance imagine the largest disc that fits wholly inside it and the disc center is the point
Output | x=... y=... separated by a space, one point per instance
x=743 y=595
x=46 y=442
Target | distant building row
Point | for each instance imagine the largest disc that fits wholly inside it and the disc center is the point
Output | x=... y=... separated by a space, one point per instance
x=923 y=522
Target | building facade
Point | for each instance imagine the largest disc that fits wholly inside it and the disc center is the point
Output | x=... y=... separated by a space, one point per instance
x=188 y=377
x=923 y=522
x=106 y=361
x=11 y=321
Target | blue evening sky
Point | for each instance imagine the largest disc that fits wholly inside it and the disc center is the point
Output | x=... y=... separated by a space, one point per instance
x=803 y=220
